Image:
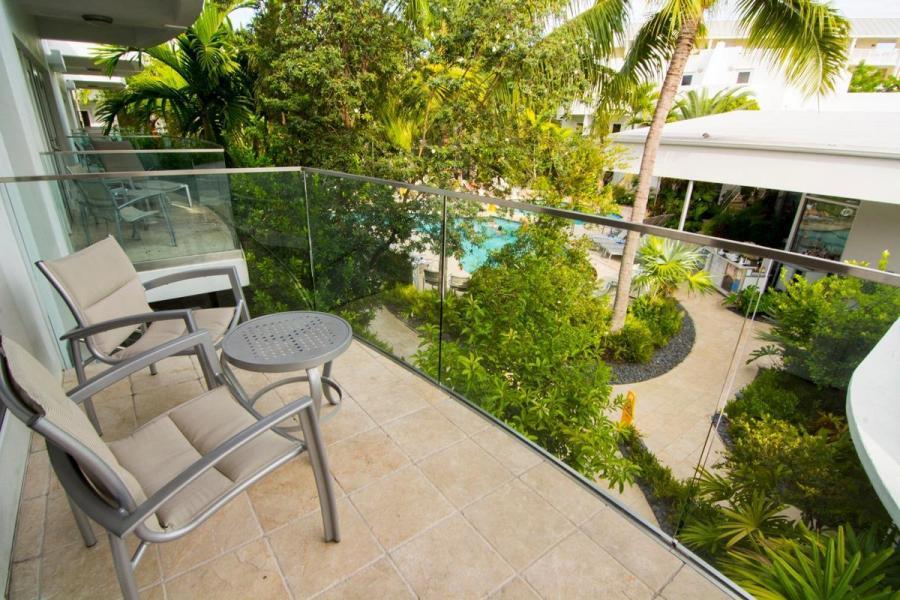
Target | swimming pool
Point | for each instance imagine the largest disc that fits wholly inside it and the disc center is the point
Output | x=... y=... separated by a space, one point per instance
x=496 y=232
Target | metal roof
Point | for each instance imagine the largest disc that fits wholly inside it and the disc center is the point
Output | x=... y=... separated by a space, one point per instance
x=846 y=154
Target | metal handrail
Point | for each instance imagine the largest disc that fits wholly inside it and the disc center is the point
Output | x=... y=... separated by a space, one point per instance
x=783 y=256
x=139 y=151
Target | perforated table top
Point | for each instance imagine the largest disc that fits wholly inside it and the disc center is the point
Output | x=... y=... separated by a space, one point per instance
x=288 y=341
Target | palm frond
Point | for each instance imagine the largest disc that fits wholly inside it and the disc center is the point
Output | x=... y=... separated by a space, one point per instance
x=807 y=39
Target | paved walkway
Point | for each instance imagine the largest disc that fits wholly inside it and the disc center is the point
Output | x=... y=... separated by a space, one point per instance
x=673 y=410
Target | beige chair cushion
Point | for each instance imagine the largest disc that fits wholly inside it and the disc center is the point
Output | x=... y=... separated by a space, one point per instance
x=118 y=163
x=214 y=320
x=169 y=444
x=102 y=283
x=39 y=389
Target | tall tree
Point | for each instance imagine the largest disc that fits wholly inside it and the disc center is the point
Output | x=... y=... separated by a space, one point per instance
x=806 y=39
x=199 y=82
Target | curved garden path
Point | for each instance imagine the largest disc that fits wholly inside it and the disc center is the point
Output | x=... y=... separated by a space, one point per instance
x=673 y=410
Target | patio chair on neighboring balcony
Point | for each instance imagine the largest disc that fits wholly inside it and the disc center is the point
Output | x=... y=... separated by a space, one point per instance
x=126 y=161
x=120 y=206
x=102 y=289
x=171 y=474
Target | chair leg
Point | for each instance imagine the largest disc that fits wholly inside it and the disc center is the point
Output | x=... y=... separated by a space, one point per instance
x=313 y=437
x=124 y=570
x=75 y=352
x=83 y=523
x=153 y=369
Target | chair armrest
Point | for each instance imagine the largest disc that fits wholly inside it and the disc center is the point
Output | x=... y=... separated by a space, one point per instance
x=230 y=271
x=210 y=460
x=199 y=340
x=80 y=333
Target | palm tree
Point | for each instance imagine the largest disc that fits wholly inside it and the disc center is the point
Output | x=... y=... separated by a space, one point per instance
x=806 y=39
x=198 y=82
x=695 y=104
x=668 y=264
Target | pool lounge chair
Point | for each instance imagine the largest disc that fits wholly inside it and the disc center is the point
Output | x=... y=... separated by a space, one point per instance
x=124 y=160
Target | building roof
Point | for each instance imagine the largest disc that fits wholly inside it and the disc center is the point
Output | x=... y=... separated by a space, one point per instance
x=846 y=154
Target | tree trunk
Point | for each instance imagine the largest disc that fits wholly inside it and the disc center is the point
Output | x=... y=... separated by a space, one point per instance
x=671 y=83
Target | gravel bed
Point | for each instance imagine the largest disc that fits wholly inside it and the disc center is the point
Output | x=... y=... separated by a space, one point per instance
x=664 y=360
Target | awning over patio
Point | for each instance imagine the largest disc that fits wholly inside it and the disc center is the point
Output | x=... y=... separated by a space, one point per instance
x=846 y=154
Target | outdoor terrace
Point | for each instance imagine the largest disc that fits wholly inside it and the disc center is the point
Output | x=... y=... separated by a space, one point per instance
x=436 y=501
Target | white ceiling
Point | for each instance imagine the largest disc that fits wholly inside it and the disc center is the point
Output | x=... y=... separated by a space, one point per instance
x=139 y=23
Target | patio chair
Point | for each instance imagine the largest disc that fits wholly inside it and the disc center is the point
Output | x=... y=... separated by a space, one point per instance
x=433 y=278
x=171 y=474
x=109 y=303
x=459 y=282
x=124 y=160
x=120 y=206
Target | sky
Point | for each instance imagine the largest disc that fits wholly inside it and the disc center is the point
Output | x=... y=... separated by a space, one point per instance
x=857 y=9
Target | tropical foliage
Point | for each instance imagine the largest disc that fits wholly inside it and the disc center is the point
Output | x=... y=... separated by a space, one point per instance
x=525 y=342
x=666 y=265
x=869 y=79
x=199 y=83
x=701 y=103
x=806 y=39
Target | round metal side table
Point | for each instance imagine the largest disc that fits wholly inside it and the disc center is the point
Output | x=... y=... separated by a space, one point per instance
x=285 y=342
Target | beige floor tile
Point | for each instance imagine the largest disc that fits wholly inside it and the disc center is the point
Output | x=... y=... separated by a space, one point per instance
x=689 y=585
x=116 y=415
x=155 y=401
x=364 y=458
x=143 y=381
x=60 y=530
x=516 y=589
x=578 y=568
x=385 y=402
x=464 y=472
x=518 y=523
x=349 y=421
x=379 y=580
x=119 y=389
x=248 y=572
x=510 y=451
x=462 y=416
x=37 y=475
x=30 y=529
x=451 y=560
x=424 y=432
x=235 y=524
x=567 y=495
x=78 y=572
x=310 y=564
x=644 y=557
x=287 y=493
x=23 y=584
x=157 y=592
x=400 y=506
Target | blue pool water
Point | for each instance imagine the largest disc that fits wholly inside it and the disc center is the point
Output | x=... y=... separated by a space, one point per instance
x=497 y=232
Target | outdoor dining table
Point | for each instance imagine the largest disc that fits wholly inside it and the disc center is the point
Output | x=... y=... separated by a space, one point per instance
x=287 y=342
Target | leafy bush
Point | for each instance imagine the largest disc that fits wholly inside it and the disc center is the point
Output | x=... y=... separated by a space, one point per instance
x=418 y=306
x=631 y=344
x=825 y=329
x=818 y=472
x=837 y=565
x=662 y=316
x=668 y=496
x=780 y=395
x=749 y=299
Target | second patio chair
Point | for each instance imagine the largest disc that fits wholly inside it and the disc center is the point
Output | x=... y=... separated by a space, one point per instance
x=170 y=475
x=105 y=295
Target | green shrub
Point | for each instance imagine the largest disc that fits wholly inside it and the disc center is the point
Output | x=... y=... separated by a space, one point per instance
x=662 y=316
x=410 y=303
x=825 y=329
x=669 y=496
x=631 y=344
x=780 y=395
x=749 y=299
x=817 y=472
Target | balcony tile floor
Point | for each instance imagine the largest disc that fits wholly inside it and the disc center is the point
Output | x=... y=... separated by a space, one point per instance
x=435 y=502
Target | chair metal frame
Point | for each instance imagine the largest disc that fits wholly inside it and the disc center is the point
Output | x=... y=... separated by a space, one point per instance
x=82 y=333
x=80 y=471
